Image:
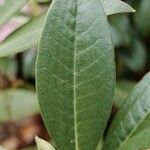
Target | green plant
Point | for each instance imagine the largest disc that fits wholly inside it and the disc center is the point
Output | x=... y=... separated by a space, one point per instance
x=75 y=77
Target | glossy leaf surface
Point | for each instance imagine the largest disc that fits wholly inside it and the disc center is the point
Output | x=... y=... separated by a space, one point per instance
x=75 y=73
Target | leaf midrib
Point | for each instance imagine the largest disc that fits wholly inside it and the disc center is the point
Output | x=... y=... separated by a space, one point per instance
x=74 y=82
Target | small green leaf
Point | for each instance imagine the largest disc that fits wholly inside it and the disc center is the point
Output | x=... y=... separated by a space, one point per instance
x=132 y=114
x=75 y=73
x=23 y=38
x=140 y=141
x=9 y=8
x=43 y=145
x=116 y=6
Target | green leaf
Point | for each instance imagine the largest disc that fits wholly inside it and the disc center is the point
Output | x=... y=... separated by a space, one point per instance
x=120 y=30
x=29 y=60
x=100 y=144
x=131 y=116
x=136 y=61
x=142 y=17
x=75 y=73
x=17 y=103
x=23 y=38
x=121 y=91
x=8 y=65
x=43 y=145
x=9 y=8
x=140 y=141
x=116 y=6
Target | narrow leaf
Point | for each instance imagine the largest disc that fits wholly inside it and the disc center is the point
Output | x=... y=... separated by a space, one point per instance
x=131 y=116
x=9 y=8
x=43 y=145
x=116 y=6
x=140 y=141
x=24 y=38
x=75 y=73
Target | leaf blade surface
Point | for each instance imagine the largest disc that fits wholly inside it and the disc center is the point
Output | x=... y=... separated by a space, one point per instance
x=73 y=79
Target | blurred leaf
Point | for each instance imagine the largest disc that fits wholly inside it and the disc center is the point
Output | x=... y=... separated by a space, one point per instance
x=23 y=38
x=116 y=36
x=8 y=65
x=29 y=58
x=120 y=28
x=122 y=90
x=17 y=103
x=140 y=141
x=131 y=115
x=43 y=145
x=75 y=65
x=9 y=8
x=142 y=17
x=1 y=148
x=116 y=6
x=136 y=61
x=43 y=1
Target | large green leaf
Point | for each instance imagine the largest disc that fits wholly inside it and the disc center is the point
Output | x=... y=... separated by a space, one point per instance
x=131 y=116
x=23 y=38
x=116 y=6
x=9 y=8
x=140 y=141
x=75 y=73
x=17 y=103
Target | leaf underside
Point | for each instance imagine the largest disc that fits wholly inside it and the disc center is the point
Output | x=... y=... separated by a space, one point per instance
x=75 y=73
